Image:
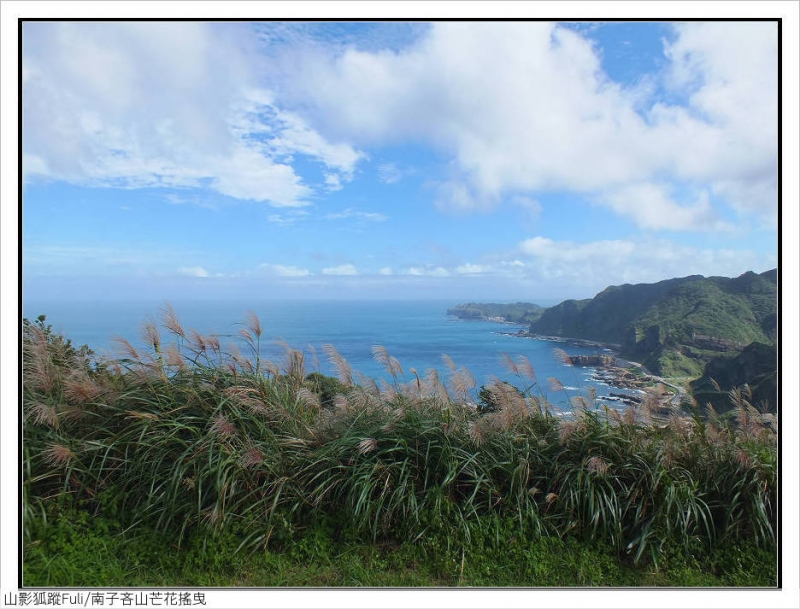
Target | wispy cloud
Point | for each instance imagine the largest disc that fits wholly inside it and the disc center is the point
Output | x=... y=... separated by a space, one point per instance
x=132 y=105
x=342 y=269
x=358 y=215
x=283 y=271
x=289 y=217
x=389 y=173
x=193 y=271
x=514 y=125
x=427 y=271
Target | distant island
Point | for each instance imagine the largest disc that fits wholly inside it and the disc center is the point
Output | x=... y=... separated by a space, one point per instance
x=522 y=313
x=719 y=333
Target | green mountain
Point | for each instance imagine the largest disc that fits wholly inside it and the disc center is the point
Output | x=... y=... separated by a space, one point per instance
x=756 y=365
x=673 y=327
x=518 y=312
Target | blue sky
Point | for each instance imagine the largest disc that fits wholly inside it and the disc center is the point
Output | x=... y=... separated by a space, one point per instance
x=482 y=161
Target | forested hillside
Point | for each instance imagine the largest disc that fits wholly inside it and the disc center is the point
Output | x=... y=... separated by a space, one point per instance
x=674 y=327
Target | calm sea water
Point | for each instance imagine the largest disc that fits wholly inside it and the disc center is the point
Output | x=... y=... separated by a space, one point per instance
x=416 y=333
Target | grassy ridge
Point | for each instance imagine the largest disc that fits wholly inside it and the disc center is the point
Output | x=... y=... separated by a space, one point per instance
x=194 y=441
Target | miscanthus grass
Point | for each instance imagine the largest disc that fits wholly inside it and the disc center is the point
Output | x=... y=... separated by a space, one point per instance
x=190 y=436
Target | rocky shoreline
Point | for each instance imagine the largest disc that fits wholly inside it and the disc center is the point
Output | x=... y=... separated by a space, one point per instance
x=614 y=371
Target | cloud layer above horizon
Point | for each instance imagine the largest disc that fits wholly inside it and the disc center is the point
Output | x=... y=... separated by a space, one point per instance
x=370 y=146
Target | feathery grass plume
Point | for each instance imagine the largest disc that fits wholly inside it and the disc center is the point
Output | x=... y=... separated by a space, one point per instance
x=434 y=387
x=715 y=384
x=417 y=383
x=367 y=445
x=566 y=429
x=340 y=364
x=173 y=358
x=389 y=363
x=579 y=403
x=743 y=460
x=270 y=368
x=58 y=455
x=308 y=398
x=38 y=369
x=360 y=397
x=247 y=336
x=476 y=432
x=169 y=319
x=387 y=392
x=650 y=405
x=562 y=356
x=79 y=388
x=222 y=427
x=294 y=363
x=737 y=397
x=629 y=416
x=213 y=343
x=151 y=336
x=592 y=393
x=505 y=358
x=251 y=457
x=253 y=323
x=340 y=403
x=448 y=362
x=551 y=498
x=526 y=368
x=555 y=384
x=461 y=382
x=126 y=348
x=512 y=401
x=679 y=425
x=244 y=396
x=370 y=385
x=197 y=341
x=43 y=414
x=597 y=465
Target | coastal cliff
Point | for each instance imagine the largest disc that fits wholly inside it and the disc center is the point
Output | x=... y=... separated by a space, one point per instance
x=674 y=327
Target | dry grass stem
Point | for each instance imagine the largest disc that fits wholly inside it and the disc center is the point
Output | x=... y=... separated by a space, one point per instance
x=562 y=356
x=526 y=368
x=253 y=323
x=58 y=455
x=170 y=321
x=340 y=364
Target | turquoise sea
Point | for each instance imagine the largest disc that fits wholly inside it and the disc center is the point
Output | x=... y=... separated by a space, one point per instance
x=417 y=333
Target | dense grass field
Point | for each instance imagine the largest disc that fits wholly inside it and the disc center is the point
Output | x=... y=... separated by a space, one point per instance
x=191 y=463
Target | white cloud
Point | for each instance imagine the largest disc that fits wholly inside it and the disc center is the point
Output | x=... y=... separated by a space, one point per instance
x=193 y=271
x=163 y=104
x=389 y=173
x=651 y=206
x=385 y=271
x=342 y=269
x=525 y=108
x=427 y=271
x=284 y=271
x=472 y=269
x=290 y=216
x=360 y=215
x=519 y=108
x=597 y=264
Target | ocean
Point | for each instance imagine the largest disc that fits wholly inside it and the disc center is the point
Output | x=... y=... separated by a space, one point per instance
x=417 y=333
